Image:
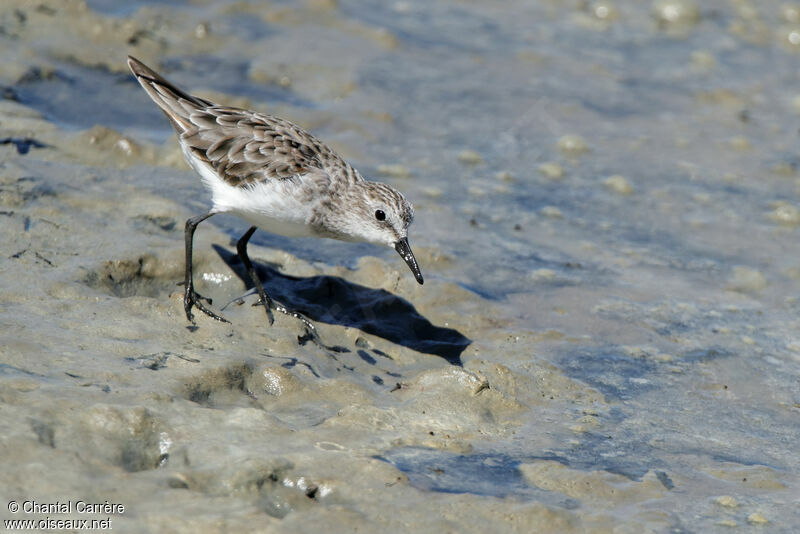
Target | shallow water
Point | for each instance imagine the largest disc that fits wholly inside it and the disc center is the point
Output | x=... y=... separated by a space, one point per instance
x=607 y=210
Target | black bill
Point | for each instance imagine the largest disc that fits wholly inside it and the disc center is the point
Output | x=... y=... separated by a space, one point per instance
x=404 y=250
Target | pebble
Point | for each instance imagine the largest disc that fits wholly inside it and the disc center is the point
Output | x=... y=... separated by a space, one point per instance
x=394 y=170
x=745 y=279
x=790 y=13
x=677 y=12
x=552 y=212
x=470 y=157
x=572 y=145
x=727 y=501
x=785 y=214
x=757 y=519
x=551 y=170
x=604 y=11
x=542 y=275
x=618 y=184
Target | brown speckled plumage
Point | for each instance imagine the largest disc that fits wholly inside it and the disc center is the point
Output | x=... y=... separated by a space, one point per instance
x=244 y=147
x=277 y=176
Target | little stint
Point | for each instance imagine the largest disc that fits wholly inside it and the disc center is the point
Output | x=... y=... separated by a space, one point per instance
x=277 y=177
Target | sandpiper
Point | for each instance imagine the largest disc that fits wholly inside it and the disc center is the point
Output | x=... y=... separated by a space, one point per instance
x=277 y=177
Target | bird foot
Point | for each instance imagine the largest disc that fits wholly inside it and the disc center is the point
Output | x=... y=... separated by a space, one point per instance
x=268 y=305
x=192 y=298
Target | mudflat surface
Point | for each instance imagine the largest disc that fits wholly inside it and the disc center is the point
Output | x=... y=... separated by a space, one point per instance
x=607 y=219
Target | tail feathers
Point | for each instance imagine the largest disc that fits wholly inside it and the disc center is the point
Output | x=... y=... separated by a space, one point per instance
x=176 y=104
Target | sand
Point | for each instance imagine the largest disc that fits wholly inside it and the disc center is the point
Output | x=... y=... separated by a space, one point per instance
x=606 y=340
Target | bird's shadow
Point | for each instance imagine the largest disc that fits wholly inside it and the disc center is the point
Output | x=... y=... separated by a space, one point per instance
x=334 y=300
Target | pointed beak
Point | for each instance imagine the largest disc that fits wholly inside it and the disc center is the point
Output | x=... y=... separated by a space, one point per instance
x=404 y=250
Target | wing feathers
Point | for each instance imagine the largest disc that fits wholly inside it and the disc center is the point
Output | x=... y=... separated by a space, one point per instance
x=242 y=147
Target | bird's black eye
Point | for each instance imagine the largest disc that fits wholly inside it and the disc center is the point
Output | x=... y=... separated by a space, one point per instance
x=380 y=215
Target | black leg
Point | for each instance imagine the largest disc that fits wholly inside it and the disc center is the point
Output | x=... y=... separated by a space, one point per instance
x=190 y=296
x=241 y=247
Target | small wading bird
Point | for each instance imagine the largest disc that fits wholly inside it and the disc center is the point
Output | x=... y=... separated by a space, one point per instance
x=277 y=177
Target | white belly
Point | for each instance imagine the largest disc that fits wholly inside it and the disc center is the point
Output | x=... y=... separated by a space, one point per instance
x=275 y=226
x=275 y=206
